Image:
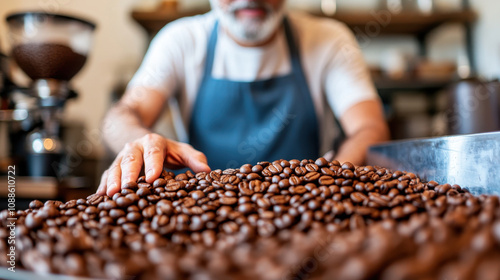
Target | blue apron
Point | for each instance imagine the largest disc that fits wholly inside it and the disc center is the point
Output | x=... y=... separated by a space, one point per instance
x=234 y=123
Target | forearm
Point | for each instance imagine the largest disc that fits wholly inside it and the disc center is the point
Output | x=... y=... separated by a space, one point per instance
x=355 y=147
x=121 y=126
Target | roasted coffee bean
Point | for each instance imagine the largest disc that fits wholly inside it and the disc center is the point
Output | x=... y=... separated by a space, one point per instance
x=126 y=191
x=143 y=192
x=196 y=195
x=116 y=213
x=311 y=167
x=312 y=176
x=299 y=171
x=263 y=203
x=298 y=190
x=245 y=208
x=347 y=166
x=149 y=212
x=35 y=204
x=123 y=202
x=358 y=197
x=321 y=162
x=278 y=199
x=130 y=185
x=108 y=205
x=275 y=168
x=160 y=182
x=143 y=185
x=295 y=181
x=133 y=217
x=346 y=191
x=326 y=180
x=91 y=200
x=173 y=186
x=228 y=200
x=32 y=221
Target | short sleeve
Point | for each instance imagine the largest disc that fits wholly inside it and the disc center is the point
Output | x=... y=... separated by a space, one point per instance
x=347 y=79
x=162 y=66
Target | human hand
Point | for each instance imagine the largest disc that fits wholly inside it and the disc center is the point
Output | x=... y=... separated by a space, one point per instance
x=152 y=151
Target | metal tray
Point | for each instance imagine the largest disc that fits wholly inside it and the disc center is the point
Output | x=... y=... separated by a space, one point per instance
x=471 y=161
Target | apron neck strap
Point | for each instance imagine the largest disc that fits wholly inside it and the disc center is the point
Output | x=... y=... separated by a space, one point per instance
x=292 y=48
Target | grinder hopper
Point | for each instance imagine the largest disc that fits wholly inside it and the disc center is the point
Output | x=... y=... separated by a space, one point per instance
x=51 y=49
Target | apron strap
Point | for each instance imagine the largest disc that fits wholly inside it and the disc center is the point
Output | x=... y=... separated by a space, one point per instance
x=211 y=51
x=297 y=70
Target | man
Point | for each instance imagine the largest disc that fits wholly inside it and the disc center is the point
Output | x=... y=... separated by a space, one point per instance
x=253 y=85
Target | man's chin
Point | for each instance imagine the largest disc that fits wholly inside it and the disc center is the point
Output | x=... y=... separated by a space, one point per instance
x=250 y=35
x=253 y=30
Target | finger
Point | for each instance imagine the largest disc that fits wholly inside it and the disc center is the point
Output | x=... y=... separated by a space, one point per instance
x=131 y=164
x=101 y=190
x=154 y=155
x=329 y=155
x=113 y=180
x=195 y=160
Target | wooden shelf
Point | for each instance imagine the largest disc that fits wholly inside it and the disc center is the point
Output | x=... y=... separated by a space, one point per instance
x=153 y=21
x=404 y=23
x=410 y=23
x=384 y=84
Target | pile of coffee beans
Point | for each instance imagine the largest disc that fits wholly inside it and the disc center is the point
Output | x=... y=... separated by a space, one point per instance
x=273 y=220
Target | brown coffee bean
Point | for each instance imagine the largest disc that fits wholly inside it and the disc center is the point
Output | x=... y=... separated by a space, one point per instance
x=33 y=222
x=299 y=171
x=321 y=162
x=149 y=212
x=246 y=169
x=397 y=212
x=313 y=204
x=160 y=182
x=134 y=217
x=311 y=167
x=143 y=185
x=91 y=200
x=326 y=180
x=346 y=191
x=263 y=203
x=116 y=213
x=278 y=199
x=130 y=185
x=347 y=166
x=246 y=208
x=108 y=205
x=123 y=202
x=275 y=168
x=173 y=186
x=143 y=192
x=295 y=181
x=228 y=200
x=298 y=190
x=35 y=204
x=358 y=197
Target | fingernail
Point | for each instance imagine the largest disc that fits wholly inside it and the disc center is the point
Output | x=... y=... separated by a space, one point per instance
x=149 y=174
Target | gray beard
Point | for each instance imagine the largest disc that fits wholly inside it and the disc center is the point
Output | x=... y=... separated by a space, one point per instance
x=248 y=31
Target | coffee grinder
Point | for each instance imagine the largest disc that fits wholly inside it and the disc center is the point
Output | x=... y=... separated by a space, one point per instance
x=51 y=49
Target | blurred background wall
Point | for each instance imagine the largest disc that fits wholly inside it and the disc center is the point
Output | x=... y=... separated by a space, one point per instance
x=120 y=44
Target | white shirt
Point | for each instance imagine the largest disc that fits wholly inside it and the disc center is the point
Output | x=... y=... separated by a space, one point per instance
x=333 y=64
